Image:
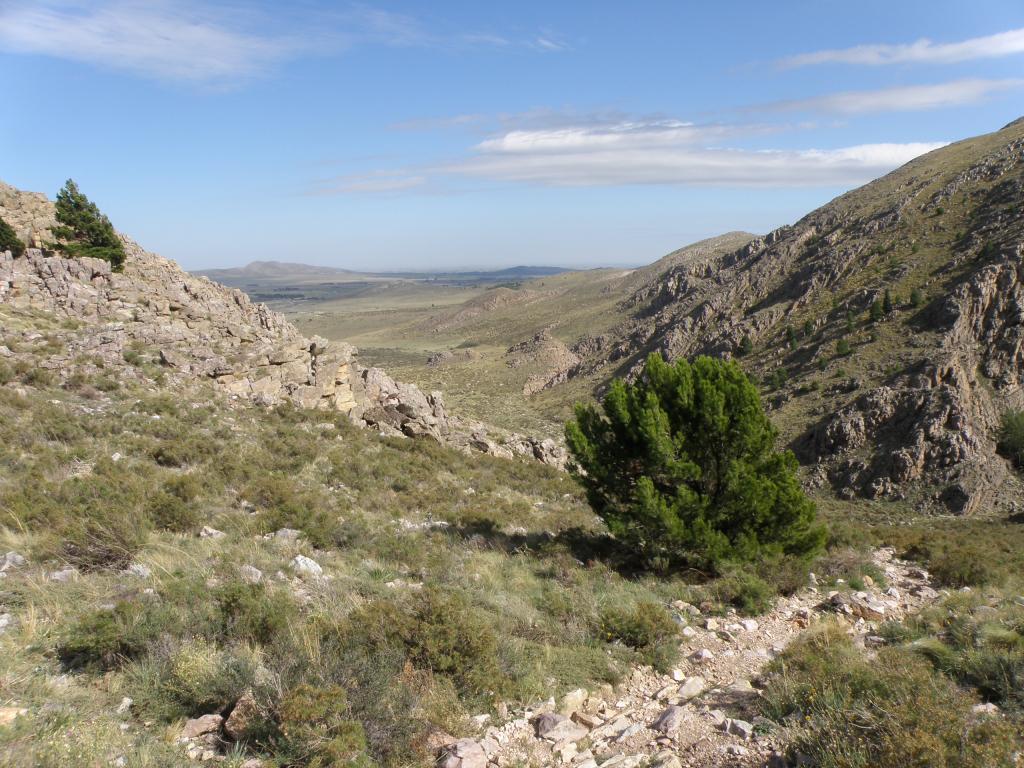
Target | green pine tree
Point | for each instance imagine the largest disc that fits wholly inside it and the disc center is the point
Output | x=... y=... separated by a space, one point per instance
x=746 y=345
x=682 y=467
x=887 y=302
x=83 y=231
x=791 y=337
x=9 y=240
x=916 y=298
x=849 y=322
x=843 y=348
x=876 y=312
x=808 y=329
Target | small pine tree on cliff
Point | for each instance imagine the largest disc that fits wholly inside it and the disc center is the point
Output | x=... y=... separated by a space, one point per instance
x=82 y=230
x=9 y=240
x=682 y=467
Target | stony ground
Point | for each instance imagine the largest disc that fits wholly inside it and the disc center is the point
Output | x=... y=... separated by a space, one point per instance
x=701 y=713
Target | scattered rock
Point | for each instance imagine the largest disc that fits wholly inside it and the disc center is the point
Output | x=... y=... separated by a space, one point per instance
x=245 y=713
x=64 y=575
x=210 y=533
x=464 y=753
x=140 y=570
x=555 y=727
x=250 y=574
x=200 y=726
x=692 y=687
x=305 y=566
x=702 y=656
x=669 y=720
x=125 y=706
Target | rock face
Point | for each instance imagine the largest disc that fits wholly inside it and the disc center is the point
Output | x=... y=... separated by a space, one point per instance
x=205 y=330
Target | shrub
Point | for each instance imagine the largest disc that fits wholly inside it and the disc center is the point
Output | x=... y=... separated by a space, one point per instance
x=195 y=678
x=808 y=329
x=317 y=729
x=83 y=231
x=251 y=612
x=746 y=346
x=745 y=591
x=887 y=302
x=843 y=348
x=9 y=240
x=105 y=639
x=439 y=632
x=682 y=466
x=877 y=312
x=646 y=626
x=916 y=298
x=791 y=337
x=1011 y=437
x=889 y=712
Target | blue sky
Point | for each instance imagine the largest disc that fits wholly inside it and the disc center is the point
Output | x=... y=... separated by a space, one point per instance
x=466 y=134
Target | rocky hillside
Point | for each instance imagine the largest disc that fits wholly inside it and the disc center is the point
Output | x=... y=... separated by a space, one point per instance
x=205 y=330
x=901 y=406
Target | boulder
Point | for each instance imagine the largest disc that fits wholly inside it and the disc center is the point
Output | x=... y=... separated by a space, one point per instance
x=201 y=726
x=305 y=566
x=555 y=727
x=464 y=753
x=669 y=720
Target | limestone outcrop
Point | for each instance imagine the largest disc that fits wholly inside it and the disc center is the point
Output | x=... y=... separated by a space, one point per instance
x=208 y=331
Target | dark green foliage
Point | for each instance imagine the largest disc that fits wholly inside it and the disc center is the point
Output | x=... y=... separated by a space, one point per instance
x=1011 y=437
x=843 y=348
x=850 y=325
x=682 y=467
x=746 y=346
x=83 y=231
x=791 y=337
x=317 y=729
x=252 y=612
x=916 y=298
x=105 y=639
x=808 y=329
x=777 y=378
x=887 y=302
x=747 y=592
x=9 y=240
x=876 y=312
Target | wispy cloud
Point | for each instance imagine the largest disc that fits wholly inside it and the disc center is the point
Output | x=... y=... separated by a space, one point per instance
x=908 y=98
x=204 y=42
x=640 y=152
x=922 y=51
x=153 y=39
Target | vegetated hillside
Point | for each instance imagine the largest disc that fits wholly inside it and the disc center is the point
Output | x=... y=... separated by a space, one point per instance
x=274 y=270
x=899 y=402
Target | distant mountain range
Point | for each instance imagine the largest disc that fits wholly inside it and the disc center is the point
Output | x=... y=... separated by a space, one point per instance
x=284 y=271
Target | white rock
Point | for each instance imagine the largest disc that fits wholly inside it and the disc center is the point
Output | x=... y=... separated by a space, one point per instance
x=688 y=632
x=250 y=574
x=678 y=675
x=287 y=534
x=669 y=720
x=692 y=687
x=210 y=533
x=749 y=625
x=555 y=727
x=306 y=566
x=740 y=728
x=64 y=575
x=701 y=656
x=124 y=706
x=465 y=753
x=12 y=560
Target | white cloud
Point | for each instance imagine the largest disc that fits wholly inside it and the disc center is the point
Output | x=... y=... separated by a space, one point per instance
x=904 y=98
x=154 y=39
x=638 y=152
x=669 y=155
x=922 y=51
x=203 y=42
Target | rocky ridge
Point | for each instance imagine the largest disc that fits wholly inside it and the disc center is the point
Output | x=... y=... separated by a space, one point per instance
x=207 y=331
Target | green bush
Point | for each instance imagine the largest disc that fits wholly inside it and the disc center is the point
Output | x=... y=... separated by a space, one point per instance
x=746 y=346
x=82 y=231
x=439 y=632
x=843 y=348
x=9 y=240
x=893 y=711
x=747 y=592
x=317 y=730
x=105 y=639
x=646 y=627
x=916 y=298
x=1011 y=437
x=682 y=467
x=252 y=612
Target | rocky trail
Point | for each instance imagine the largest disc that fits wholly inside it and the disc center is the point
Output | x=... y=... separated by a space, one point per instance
x=702 y=713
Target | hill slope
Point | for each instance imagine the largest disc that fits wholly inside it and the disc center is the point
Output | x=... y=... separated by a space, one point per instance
x=911 y=410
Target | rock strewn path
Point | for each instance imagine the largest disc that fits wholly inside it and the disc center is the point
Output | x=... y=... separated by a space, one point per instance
x=699 y=715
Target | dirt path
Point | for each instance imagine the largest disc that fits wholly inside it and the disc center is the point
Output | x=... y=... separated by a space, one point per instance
x=699 y=715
